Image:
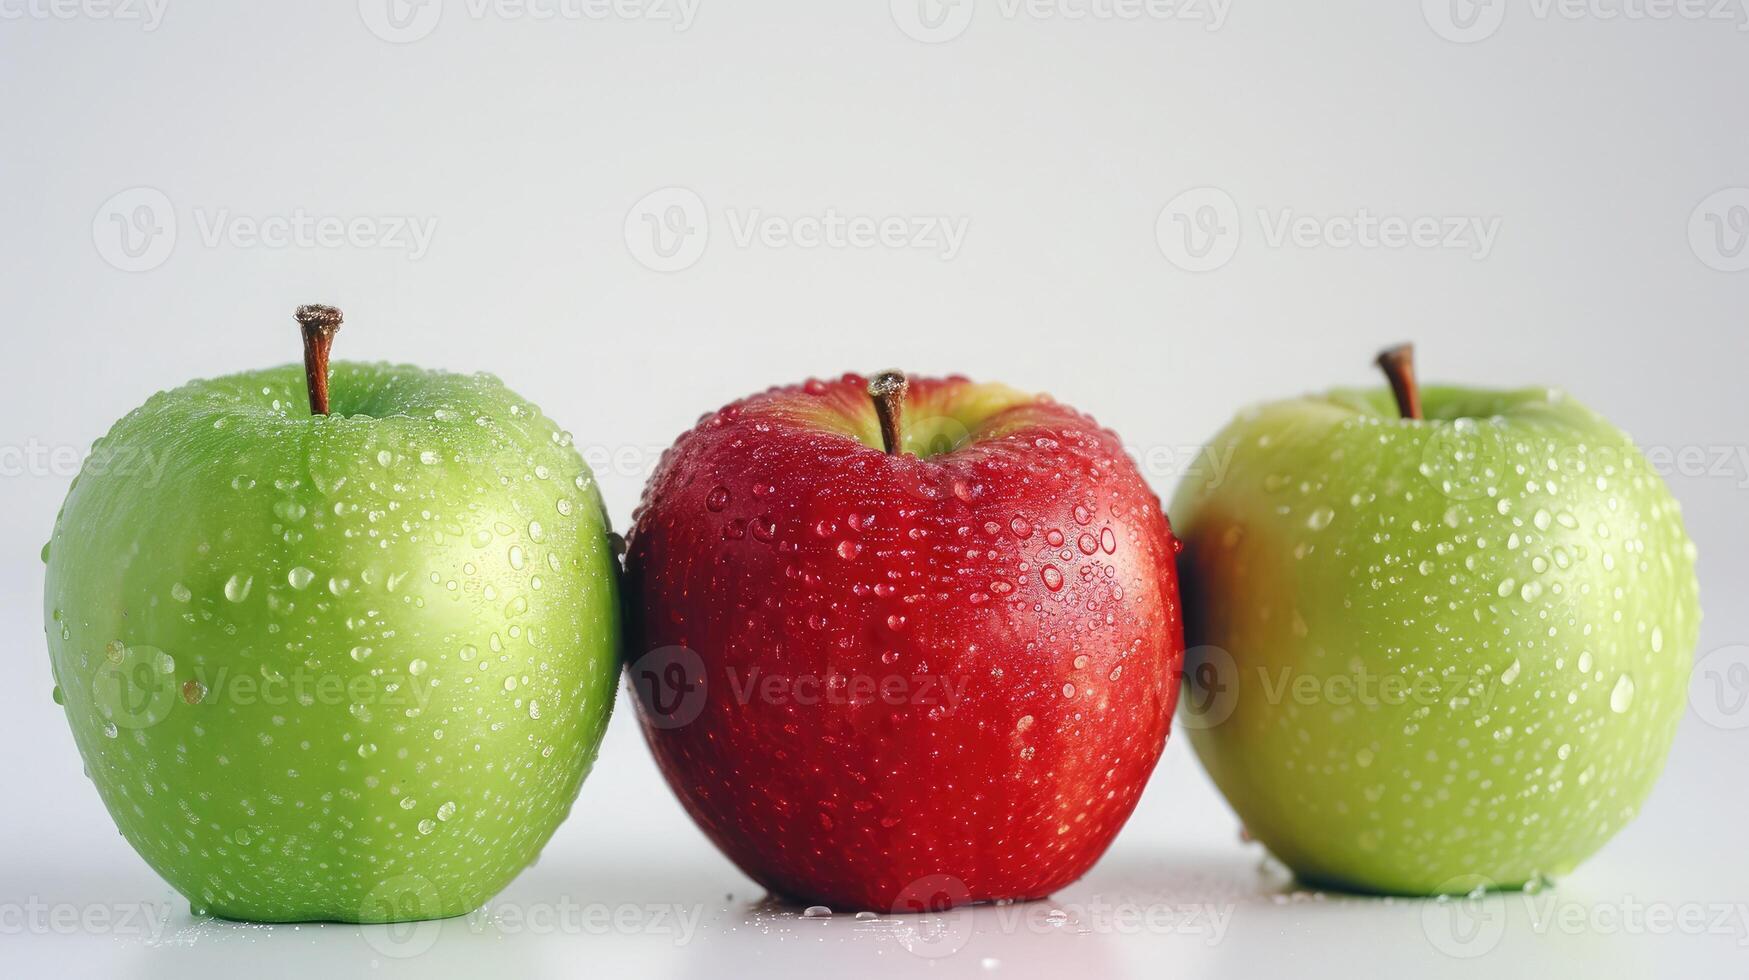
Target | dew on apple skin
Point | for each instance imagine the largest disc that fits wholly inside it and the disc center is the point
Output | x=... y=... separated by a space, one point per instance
x=180 y=593
x=300 y=578
x=237 y=586
x=1621 y=698
x=1052 y=577
x=717 y=499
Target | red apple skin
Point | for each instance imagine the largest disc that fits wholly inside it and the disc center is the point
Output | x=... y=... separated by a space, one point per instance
x=1030 y=570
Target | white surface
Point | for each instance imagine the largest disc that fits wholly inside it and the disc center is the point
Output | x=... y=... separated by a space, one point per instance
x=1598 y=143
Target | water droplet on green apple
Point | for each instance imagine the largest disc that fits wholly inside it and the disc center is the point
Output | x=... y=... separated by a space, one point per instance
x=180 y=592
x=300 y=577
x=237 y=587
x=1622 y=698
x=1320 y=518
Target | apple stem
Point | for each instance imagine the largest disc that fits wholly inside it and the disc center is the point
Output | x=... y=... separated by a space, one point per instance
x=1398 y=363
x=888 y=391
x=320 y=324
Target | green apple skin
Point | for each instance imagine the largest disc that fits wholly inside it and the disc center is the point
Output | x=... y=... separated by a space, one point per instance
x=351 y=668
x=1433 y=655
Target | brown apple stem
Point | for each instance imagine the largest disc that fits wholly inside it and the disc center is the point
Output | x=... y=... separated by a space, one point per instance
x=888 y=391
x=1398 y=364
x=320 y=324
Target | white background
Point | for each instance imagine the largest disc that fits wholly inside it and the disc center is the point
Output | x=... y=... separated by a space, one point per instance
x=1595 y=147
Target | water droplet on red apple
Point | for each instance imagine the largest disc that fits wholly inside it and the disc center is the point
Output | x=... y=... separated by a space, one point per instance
x=1052 y=577
x=717 y=499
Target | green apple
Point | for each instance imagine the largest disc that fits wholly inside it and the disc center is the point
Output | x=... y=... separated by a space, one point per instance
x=348 y=666
x=1433 y=653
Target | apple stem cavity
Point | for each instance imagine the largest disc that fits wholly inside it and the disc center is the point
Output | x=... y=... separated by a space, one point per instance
x=1398 y=363
x=888 y=391
x=320 y=324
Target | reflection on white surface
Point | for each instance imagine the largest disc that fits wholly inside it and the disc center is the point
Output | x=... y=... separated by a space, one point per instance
x=1166 y=914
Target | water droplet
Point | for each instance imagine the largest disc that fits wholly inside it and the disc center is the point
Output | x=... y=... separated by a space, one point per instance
x=237 y=587
x=427 y=825
x=1087 y=543
x=717 y=499
x=193 y=692
x=446 y=811
x=180 y=592
x=300 y=577
x=816 y=912
x=1622 y=698
x=1320 y=518
x=1020 y=527
x=1510 y=674
x=1052 y=577
x=848 y=550
x=417 y=666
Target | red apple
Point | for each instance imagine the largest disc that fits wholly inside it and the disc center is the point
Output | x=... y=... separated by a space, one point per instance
x=886 y=679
